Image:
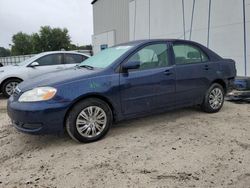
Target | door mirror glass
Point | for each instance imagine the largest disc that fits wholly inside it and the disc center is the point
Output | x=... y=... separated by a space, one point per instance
x=34 y=64
x=131 y=65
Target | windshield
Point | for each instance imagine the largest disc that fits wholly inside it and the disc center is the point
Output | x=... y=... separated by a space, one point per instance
x=106 y=57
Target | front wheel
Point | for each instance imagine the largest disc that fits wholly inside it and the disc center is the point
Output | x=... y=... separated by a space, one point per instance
x=9 y=86
x=89 y=120
x=214 y=99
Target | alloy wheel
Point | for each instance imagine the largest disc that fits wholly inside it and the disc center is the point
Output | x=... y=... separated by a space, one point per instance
x=91 y=121
x=216 y=98
x=10 y=87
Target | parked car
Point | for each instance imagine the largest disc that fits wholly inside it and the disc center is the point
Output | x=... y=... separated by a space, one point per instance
x=1 y=65
x=11 y=76
x=126 y=81
x=241 y=90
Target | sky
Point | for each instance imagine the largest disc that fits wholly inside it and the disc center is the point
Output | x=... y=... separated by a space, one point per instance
x=29 y=15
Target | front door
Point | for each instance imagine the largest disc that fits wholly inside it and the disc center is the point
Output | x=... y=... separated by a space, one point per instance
x=152 y=85
x=48 y=63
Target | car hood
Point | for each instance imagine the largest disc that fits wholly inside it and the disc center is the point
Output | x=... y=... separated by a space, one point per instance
x=57 y=78
x=9 y=68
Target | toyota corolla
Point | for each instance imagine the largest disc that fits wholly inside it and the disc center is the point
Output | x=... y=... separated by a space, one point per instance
x=126 y=81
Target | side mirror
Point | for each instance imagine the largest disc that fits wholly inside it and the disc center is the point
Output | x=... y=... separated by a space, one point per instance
x=34 y=64
x=131 y=65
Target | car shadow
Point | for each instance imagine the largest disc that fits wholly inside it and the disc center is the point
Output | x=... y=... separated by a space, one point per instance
x=2 y=97
x=151 y=120
x=123 y=128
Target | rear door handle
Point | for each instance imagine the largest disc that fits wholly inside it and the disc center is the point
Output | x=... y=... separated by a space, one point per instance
x=168 y=72
x=206 y=67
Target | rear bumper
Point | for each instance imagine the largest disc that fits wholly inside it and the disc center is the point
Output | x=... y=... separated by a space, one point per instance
x=37 y=118
x=230 y=85
x=239 y=95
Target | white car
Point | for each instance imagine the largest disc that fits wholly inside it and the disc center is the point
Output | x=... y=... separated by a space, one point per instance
x=11 y=76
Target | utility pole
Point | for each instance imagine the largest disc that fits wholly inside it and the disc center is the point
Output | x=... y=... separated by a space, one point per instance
x=209 y=20
x=245 y=36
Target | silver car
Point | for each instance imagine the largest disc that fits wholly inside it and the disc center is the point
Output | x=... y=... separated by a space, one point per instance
x=11 y=76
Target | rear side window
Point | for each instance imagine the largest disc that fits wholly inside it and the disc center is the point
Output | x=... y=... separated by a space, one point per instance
x=73 y=58
x=187 y=54
x=52 y=59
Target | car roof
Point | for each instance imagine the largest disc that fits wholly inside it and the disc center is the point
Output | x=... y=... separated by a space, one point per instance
x=138 y=42
x=63 y=52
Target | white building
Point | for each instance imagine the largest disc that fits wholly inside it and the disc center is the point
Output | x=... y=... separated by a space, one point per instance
x=222 y=25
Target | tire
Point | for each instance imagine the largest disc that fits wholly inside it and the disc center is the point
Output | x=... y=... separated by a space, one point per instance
x=82 y=126
x=210 y=104
x=9 y=86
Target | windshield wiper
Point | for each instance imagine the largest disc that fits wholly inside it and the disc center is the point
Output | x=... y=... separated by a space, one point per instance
x=85 y=66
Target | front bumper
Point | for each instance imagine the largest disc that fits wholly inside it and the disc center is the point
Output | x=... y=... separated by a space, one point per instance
x=37 y=117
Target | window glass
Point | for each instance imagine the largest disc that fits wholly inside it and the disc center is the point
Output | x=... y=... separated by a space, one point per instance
x=53 y=59
x=152 y=56
x=186 y=54
x=106 y=57
x=73 y=58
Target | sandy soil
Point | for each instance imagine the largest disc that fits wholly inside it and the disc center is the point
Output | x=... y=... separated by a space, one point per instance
x=183 y=148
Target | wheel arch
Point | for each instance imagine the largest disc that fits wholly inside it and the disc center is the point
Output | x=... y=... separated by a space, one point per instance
x=221 y=82
x=9 y=78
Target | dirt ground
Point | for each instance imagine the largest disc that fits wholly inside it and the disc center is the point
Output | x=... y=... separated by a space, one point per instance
x=183 y=148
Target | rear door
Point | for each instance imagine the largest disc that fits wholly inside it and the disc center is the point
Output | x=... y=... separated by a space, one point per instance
x=191 y=73
x=152 y=85
x=47 y=63
x=71 y=60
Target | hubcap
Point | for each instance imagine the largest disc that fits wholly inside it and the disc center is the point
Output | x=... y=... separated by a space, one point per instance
x=216 y=98
x=10 y=87
x=91 y=121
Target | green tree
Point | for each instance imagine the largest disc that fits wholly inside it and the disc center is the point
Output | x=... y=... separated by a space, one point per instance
x=86 y=47
x=47 y=39
x=54 y=39
x=36 y=43
x=4 y=52
x=22 y=44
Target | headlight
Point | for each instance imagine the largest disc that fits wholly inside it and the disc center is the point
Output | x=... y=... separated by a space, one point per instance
x=38 y=94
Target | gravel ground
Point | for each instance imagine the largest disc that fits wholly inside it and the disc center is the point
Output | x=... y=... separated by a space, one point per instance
x=182 y=148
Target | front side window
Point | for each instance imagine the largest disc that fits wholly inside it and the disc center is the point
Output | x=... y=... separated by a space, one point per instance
x=187 y=54
x=52 y=59
x=152 y=56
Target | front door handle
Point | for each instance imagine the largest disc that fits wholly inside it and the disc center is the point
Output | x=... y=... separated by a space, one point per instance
x=168 y=72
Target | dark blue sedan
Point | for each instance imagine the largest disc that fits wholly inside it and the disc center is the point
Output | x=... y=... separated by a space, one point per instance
x=126 y=81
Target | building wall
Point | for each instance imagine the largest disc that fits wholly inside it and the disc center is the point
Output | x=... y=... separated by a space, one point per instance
x=149 y=19
x=110 y=16
x=248 y=34
x=164 y=19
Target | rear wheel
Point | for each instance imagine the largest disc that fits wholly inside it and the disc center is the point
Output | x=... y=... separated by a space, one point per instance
x=89 y=120
x=9 y=86
x=214 y=99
